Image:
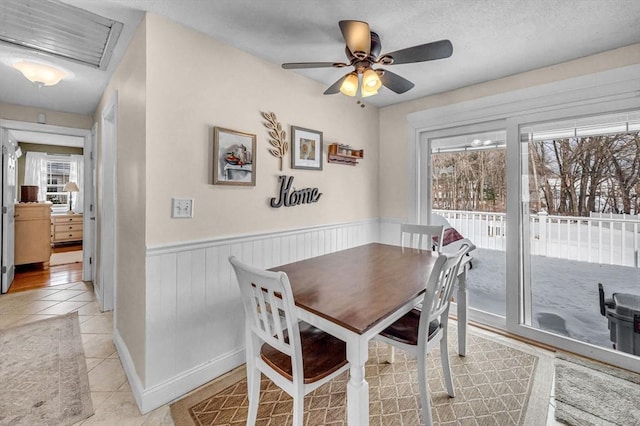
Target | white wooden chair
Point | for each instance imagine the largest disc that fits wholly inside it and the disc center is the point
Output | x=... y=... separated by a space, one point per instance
x=419 y=331
x=294 y=355
x=416 y=236
x=420 y=236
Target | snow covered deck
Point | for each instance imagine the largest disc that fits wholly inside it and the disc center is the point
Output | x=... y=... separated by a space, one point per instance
x=569 y=257
x=564 y=292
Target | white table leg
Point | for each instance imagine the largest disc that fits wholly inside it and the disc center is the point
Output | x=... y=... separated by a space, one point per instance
x=357 y=387
x=463 y=310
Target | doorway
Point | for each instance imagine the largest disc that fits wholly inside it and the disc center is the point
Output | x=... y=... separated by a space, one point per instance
x=75 y=237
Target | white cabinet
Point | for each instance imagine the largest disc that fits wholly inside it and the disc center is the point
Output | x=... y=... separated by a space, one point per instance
x=32 y=241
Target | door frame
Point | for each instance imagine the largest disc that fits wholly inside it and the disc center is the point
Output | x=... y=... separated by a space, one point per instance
x=7 y=223
x=108 y=219
x=8 y=125
x=90 y=206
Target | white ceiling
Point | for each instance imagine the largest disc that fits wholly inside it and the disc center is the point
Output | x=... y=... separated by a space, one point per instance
x=491 y=39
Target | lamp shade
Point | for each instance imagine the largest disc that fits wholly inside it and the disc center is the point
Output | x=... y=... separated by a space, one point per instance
x=71 y=187
x=371 y=81
x=350 y=85
x=39 y=73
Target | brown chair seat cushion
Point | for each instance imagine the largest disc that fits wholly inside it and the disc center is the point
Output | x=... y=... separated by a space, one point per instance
x=405 y=329
x=322 y=354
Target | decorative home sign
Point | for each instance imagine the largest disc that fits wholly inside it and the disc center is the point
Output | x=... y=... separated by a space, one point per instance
x=306 y=148
x=234 y=161
x=295 y=197
x=278 y=137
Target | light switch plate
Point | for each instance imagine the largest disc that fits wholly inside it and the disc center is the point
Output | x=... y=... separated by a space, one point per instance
x=182 y=207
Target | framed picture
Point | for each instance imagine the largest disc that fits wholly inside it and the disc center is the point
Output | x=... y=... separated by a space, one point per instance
x=306 y=148
x=234 y=157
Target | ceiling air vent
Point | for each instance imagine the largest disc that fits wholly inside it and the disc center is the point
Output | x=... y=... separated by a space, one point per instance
x=56 y=28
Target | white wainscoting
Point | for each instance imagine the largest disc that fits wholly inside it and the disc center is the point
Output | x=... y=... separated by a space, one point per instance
x=194 y=315
x=389 y=232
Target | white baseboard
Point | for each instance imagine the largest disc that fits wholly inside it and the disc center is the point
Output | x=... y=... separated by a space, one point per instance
x=170 y=390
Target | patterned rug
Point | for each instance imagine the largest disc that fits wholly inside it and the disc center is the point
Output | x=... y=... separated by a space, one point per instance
x=499 y=382
x=43 y=373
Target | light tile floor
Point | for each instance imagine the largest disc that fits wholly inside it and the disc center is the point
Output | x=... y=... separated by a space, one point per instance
x=111 y=395
x=113 y=402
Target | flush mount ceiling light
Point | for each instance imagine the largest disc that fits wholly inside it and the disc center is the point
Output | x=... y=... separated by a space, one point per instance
x=41 y=74
x=59 y=29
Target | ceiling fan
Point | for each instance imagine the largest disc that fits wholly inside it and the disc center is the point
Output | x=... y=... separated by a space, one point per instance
x=363 y=52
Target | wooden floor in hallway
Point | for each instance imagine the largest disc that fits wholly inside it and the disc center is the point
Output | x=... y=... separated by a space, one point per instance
x=32 y=276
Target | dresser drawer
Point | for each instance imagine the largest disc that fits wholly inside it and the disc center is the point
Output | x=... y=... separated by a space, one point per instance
x=67 y=236
x=67 y=227
x=67 y=219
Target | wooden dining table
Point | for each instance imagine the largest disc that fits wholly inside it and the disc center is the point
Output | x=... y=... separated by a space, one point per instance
x=356 y=293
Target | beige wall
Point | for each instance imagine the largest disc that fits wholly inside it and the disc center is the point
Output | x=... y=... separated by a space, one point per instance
x=393 y=192
x=129 y=80
x=54 y=118
x=195 y=83
x=173 y=86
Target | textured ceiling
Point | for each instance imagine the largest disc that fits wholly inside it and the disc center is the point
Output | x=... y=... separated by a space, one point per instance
x=491 y=39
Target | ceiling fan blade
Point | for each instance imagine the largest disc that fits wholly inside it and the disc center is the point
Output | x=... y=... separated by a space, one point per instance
x=394 y=82
x=424 y=52
x=335 y=87
x=298 y=65
x=357 y=36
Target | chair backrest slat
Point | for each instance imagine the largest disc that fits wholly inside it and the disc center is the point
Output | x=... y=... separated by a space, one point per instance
x=275 y=314
x=269 y=309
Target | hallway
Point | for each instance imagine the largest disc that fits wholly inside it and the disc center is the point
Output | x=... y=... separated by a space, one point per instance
x=111 y=394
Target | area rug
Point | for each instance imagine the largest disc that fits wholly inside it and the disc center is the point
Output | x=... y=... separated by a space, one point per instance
x=499 y=382
x=43 y=374
x=65 y=258
x=589 y=393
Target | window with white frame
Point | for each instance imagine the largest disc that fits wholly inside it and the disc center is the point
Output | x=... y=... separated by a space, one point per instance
x=58 y=175
x=50 y=173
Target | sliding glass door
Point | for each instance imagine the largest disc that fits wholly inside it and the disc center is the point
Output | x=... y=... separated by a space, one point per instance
x=553 y=207
x=580 y=221
x=467 y=192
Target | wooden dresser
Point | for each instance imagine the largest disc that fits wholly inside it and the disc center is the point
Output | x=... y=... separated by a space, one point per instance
x=66 y=228
x=32 y=233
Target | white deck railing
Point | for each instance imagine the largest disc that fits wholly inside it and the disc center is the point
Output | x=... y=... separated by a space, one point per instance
x=603 y=240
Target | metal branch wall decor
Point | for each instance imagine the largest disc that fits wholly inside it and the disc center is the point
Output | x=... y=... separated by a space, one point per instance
x=278 y=136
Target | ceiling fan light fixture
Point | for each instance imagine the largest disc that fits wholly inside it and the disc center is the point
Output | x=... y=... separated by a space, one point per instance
x=349 y=86
x=41 y=74
x=371 y=80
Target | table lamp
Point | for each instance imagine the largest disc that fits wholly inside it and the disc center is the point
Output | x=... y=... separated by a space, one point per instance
x=70 y=187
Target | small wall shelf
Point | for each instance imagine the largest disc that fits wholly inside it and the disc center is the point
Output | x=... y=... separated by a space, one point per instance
x=344 y=154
